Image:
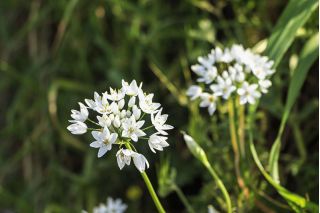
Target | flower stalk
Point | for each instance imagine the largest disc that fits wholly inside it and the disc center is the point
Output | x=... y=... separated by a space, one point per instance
x=150 y=187
x=235 y=147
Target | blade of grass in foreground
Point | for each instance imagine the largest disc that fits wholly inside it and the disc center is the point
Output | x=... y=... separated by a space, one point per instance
x=296 y=202
x=307 y=57
x=295 y=15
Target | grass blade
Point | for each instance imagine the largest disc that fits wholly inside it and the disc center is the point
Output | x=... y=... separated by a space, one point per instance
x=294 y=16
x=307 y=57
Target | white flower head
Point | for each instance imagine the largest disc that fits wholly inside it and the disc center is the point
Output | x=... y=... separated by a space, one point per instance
x=121 y=117
x=227 y=73
x=115 y=205
x=111 y=206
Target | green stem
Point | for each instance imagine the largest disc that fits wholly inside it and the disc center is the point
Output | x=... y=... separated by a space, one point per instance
x=241 y=130
x=147 y=128
x=93 y=122
x=150 y=188
x=183 y=198
x=220 y=185
x=152 y=193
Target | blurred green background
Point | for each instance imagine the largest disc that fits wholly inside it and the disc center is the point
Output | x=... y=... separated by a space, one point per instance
x=56 y=53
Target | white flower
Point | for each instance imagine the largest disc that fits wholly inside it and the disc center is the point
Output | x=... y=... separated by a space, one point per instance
x=119 y=116
x=81 y=115
x=102 y=208
x=104 y=140
x=92 y=103
x=101 y=104
x=209 y=100
x=140 y=161
x=194 y=92
x=264 y=85
x=136 y=112
x=77 y=128
x=115 y=206
x=159 y=122
x=132 y=89
x=226 y=70
x=124 y=157
x=224 y=87
x=248 y=93
x=146 y=103
x=209 y=76
x=131 y=128
x=157 y=142
x=115 y=95
x=111 y=206
x=104 y=120
x=132 y=101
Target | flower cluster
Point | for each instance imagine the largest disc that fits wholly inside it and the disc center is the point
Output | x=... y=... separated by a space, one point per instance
x=121 y=116
x=111 y=206
x=229 y=73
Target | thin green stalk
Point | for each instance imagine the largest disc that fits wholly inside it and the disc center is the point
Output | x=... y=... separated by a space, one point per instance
x=93 y=122
x=235 y=146
x=150 y=187
x=152 y=192
x=241 y=130
x=183 y=198
x=220 y=185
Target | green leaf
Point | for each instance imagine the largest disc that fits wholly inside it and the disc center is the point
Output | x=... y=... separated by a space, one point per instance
x=296 y=202
x=294 y=16
x=307 y=57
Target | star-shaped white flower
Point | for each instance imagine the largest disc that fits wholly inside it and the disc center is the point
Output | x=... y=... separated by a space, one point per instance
x=248 y=93
x=77 y=128
x=194 y=92
x=104 y=141
x=115 y=206
x=131 y=89
x=209 y=100
x=264 y=85
x=132 y=128
x=146 y=104
x=115 y=95
x=124 y=157
x=224 y=87
x=157 y=142
x=159 y=121
x=81 y=115
x=140 y=161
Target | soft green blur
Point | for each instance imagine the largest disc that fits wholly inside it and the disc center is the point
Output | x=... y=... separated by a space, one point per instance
x=54 y=54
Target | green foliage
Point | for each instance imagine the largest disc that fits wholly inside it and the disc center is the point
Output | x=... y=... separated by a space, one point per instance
x=55 y=53
x=295 y=15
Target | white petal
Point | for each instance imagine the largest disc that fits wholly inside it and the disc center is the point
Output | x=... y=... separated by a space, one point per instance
x=102 y=151
x=95 y=144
